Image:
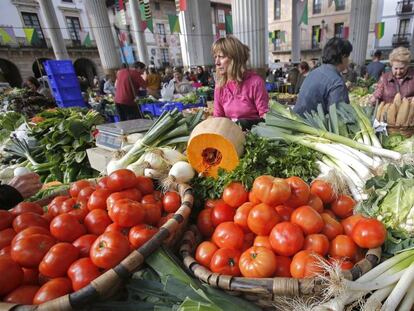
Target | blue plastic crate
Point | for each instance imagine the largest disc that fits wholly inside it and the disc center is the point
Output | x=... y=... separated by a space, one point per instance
x=54 y=67
x=70 y=103
x=67 y=93
x=270 y=86
x=63 y=80
x=156 y=109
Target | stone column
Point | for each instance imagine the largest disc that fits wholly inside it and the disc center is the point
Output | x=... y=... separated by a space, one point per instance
x=138 y=33
x=196 y=35
x=359 y=29
x=295 y=52
x=55 y=35
x=250 y=26
x=101 y=29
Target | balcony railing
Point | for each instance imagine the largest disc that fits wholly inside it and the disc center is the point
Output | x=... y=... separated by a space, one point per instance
x=404 y=8
x=401 y=39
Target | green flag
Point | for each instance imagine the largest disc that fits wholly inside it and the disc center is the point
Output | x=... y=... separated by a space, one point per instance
x=282 y=36
x=229 y=24
x=302 y=7
x=150 y=25
x=85 y=38
x=142 y=10
x=174 y=23
x=31 y=35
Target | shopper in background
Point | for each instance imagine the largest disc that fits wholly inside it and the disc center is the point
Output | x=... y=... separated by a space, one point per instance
x=399 y=80
x=202 y=76
x=153 y=83
x=349 y=74
x=35 y=86
x=109 y=86
x=303 y=73
x=292 y=78
x=375 y=68
x=18 y=189
x=127 y=86
x=240 y=94
x=325 y=85
x=181 y=85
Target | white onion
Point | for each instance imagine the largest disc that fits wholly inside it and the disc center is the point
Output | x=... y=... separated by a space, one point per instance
x=21 y=171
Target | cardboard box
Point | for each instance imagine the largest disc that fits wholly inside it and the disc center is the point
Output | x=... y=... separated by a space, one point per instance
x=99 y=158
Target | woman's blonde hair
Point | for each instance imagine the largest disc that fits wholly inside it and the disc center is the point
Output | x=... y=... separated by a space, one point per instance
x=238 y=53
x=400 y=54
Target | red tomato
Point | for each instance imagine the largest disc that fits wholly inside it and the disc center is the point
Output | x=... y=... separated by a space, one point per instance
x=286 y=238
x=29 y=251
x=330 y=213
x=262 y=241
x=85 y=194
x=163 y=220
x=109 y=249
x=82 y=272
x=222 y=212
x=6 y=237
x=300 y=192
x=54 y=207
x=152 y=198
x=270 y=190
x=262 y=218
x=152 y=213
x=285 y=212
x=145 y=185
x=77 y=186
x=315 y=202
x=332 y=227
x=6 y=219
x=102 y=183
x=58 y=259
x=205 y=252
x=22 y=295
x=342 y=246
x=343 y=206
x=66 y=228
x=96 y=221
x=306 y=264
x=253 y=199
x=248 y=240
x=226 y=261
x=350 y=222
x=323 y=190
x=80 y=210
x=97 y=200
x=369 y=233
x=11 y=275
x=121 y=179
x=6 y=251
x=241 y=215
x=257 y=262
x=140 y=234
x=24 y=207
x=53 y=289
x=31 y=276
x=210 y=203
x=229 y=235
x=26 y=220
x=204 y=223
x=127 y=213
x=30 y=231
x=122 y=230
x=343 y=264
x=317 y=243
x=84 y=244
x=283 y=267
x=235 y=194
x=68 y=205
x=308 y=219
x=171 y=201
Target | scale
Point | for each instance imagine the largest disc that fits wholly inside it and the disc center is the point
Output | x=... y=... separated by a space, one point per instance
x=112 y=136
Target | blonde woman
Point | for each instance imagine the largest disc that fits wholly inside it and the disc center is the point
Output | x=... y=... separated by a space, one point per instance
x=399 y=80
x=239 y=94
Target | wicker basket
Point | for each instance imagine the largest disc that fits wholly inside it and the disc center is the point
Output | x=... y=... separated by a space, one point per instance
x=108 y=283
x=406 y=131
x=264 y=291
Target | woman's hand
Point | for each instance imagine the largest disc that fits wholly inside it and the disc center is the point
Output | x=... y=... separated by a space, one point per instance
x=27 y=185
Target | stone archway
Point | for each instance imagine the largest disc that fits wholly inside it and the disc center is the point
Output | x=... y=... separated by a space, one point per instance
x=86 y=68
x=10 y=73
x=38 y=68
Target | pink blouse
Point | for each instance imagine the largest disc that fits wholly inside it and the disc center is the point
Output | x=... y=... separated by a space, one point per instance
x=249 y=100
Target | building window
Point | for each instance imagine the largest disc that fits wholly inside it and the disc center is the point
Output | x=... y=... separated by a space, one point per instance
x=74 y=29
x=222 y=33
x=316 y=36
x=165 y=59
x=221 y=16
x=277 y=13
x=161 y=32
x=339 y=5
x=317 y=6
x=157 y=6
x=71 y=1
x=339 y=27
x=404 y=26
x=31 y=20
x=277 y=42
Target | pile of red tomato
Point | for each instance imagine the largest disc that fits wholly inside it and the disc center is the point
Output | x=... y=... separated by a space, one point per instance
x=283 y=228
x=45 y=255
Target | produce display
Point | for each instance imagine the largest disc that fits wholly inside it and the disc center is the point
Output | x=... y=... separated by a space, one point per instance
x=398 y=113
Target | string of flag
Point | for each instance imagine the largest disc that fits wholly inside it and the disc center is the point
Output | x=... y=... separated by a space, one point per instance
x=379 y=30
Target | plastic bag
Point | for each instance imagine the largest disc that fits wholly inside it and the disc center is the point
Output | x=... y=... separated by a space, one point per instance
x=167 y=92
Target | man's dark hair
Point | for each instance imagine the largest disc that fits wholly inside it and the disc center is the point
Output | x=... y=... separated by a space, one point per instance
x=334 y=50
x=304 y=66
x=139 y=65
x=378 y=54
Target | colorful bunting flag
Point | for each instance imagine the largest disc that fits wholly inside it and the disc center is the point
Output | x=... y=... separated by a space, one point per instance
x=127 y=55
x=302 y=7
x=229 y=24
x=143 y=25
x=7 y=35
x=345 y=32
x=318 y=34
x=150 y=25
x=379 y=30
x=181 y=5
x=146 y=14
x=31 y=35
x=174 y=23
x=85 y=38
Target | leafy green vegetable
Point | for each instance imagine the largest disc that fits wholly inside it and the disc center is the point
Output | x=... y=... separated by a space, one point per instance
x=9 y=121
x=261 y=157
x=190 y=98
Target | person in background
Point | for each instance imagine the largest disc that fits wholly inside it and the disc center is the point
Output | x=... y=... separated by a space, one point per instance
x=399 y=80
x=181 y=85
x=95 y=82
x=154 y=83
x=168 y=75
x=202 y=76
x=325 y=85
x=18 y=189
x=269 y=76
x=35 y=86
x=292 y=78
x=314 y=64
x=127 y=86
x=349 y=74
x=375 y=69
x=109 y=86
x=303 y=73
x=240 y=94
